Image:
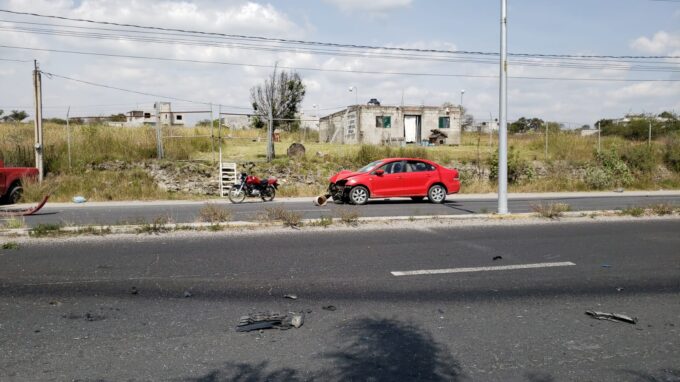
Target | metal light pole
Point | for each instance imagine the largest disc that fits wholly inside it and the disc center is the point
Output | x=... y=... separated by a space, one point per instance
x=462 y=112
x=502 y=128
x=38 y=147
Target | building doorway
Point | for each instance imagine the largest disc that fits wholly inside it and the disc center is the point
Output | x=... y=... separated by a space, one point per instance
x=412 y=132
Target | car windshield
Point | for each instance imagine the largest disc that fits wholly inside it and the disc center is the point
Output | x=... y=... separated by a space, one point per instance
x=369 y=166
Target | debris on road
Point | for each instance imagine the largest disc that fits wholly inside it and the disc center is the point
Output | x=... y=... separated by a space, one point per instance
x=187 y=294
x=79 y=199
x=291 y=296
x=497 y=258
x=134 y=290
x=616 y=317
x=330 y=308
x=269 y=320
x=619 y=289
x=606 y=266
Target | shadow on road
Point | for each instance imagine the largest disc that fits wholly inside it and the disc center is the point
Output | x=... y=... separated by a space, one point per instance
x=372 y=350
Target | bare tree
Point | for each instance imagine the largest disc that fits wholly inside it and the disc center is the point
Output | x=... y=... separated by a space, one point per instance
x=278 y=98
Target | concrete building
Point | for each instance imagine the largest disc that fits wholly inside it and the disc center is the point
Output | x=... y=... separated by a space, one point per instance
x=376 y=124
x=136 y=118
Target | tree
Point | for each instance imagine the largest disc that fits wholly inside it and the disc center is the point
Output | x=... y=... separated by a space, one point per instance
x=120 y=117
x=15 y=115
x=280 y=95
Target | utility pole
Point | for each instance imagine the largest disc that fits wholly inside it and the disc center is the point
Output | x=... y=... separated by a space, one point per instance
x=159 y=138
x=649 y=137
x=546 y=141
x=502 y=128
x=212 y=133
x=38 y=147
x=598 y=137
x=270 y=135
x=68 y=135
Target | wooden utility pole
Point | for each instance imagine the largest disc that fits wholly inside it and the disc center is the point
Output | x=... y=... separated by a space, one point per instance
x=38 y=147
x=270 y=135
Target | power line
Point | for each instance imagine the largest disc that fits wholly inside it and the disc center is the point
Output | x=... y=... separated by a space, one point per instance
x=50 y=75
x=619 y=65
x=371 y=72
x=13 y=60
x=325 y=44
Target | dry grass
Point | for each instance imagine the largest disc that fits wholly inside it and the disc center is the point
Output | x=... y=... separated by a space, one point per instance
x=348 y=215
x=550 y=210
x=213 y=213
x=287 y=217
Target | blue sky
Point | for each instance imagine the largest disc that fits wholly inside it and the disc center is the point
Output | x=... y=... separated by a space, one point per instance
x=606 y=27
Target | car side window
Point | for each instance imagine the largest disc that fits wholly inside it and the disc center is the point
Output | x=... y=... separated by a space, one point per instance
x=393 y=167
x=418 y=166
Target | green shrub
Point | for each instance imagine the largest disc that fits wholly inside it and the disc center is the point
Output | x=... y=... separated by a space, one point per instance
x=642 y=158
x=609 y=171
x=518 y=168
x=672 y=152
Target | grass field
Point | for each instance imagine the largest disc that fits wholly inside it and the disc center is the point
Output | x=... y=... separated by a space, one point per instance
x=571 y=164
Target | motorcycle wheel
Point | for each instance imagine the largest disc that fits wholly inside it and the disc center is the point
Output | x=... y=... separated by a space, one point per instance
x=268 y=194
x=237 y=195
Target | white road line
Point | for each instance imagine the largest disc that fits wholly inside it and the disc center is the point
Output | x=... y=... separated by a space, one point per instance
x=481 y=269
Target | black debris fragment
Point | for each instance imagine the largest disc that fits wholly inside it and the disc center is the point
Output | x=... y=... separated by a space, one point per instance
x=497 y=258
x=619 y=289
x=616 y=317
x=606 y=266
x=330 y=308
x=269 y=320
x=291 y=296
x=134 y=290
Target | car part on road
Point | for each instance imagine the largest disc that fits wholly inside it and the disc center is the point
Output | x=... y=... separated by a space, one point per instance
x=79 y=199
x=269 y=320
x=497 y=258
x=291 y=296
x=616 y=317
x=134 y=290
x=24 y=211
x=187 y=294
x=329 y=308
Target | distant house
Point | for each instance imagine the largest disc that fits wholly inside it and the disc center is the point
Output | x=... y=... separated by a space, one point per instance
x=236 y=121
x=376 y=124
x=136 y=118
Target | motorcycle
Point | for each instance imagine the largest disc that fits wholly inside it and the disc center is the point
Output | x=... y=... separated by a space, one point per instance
x=252 y=186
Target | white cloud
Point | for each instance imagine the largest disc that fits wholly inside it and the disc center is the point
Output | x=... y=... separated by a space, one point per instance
x=661 y=42
x=370 y=6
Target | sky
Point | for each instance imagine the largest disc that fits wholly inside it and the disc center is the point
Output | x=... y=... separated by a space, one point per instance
x=573 y=92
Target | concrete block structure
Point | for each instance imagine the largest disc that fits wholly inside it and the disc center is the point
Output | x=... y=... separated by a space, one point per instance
x=395 y=125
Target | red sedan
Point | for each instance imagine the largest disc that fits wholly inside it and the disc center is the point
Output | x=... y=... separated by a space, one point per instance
x=395 y=177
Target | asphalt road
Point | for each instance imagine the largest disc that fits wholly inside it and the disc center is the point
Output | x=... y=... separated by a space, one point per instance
x=67 y=311
x=178 y=212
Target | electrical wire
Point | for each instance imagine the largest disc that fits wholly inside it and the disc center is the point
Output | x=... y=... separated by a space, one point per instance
x=325 y=44
x=50 y=75
x=370 y=72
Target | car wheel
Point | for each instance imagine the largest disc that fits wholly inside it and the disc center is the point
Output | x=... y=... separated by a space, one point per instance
x=237 y=195
x=358 y=195
x=417 y=198
x=14 y=194
x=268 y=194
x=437 y=194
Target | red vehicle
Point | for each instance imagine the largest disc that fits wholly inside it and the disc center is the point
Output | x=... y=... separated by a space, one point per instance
x=252 y=186
x=10 y=182
x=395 y=177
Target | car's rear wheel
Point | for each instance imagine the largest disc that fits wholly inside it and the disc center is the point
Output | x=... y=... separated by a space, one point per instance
x=14 y=194
x=436 y=194
x=358 y=195
x=417 y=198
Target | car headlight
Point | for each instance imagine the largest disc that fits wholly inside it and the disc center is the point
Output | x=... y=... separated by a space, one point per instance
x=351 y=181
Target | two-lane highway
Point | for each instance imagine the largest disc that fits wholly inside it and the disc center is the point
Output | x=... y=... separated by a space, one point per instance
x=68 y=310
x=187 y=212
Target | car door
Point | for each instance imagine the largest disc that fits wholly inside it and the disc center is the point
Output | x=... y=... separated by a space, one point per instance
x=390 y=182
x=418 y=177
